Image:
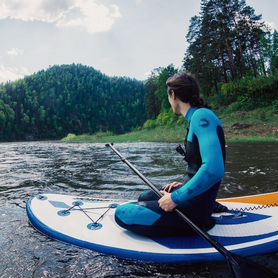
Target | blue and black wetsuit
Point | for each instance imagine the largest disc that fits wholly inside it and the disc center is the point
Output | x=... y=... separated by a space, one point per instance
x=205 y=157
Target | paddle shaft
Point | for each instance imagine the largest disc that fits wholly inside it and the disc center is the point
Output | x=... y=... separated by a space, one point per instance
x=202 y=233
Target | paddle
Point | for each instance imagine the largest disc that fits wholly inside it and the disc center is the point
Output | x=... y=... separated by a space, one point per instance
x=240 y=267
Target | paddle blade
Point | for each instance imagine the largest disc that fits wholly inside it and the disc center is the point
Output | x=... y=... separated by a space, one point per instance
x=244 y=268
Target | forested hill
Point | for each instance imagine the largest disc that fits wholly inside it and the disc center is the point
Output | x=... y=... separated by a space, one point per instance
x=69 y=99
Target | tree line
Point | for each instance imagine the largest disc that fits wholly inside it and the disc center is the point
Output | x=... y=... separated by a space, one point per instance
x=69 y=99
x=233 y=54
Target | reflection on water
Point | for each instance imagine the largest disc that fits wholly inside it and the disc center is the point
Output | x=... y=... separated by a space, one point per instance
x=92 y=170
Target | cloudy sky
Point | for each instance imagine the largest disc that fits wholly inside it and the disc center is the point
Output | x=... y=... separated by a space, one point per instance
x=117 y=37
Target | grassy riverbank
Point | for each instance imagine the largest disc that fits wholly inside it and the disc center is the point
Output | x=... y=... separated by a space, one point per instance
x=256 y=126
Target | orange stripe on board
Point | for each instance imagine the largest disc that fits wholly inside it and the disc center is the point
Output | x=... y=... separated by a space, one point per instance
x=262 y=199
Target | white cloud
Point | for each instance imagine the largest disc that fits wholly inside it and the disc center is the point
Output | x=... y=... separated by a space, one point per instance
x=12 y=73
x=138 y=2
x=14 y=52
x=88 y=15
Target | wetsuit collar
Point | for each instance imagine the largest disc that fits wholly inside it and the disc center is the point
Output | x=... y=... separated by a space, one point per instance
x=189 y=113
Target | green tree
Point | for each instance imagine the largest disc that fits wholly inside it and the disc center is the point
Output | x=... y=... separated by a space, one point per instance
x=224 y=43
x=71 y=99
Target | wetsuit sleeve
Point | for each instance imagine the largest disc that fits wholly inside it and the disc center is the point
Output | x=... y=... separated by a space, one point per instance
x=204 y=125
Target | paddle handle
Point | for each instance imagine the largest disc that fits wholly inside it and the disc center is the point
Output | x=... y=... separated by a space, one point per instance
x=204 y=234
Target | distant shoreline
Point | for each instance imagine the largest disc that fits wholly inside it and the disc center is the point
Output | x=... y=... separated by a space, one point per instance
x=166 y=135
x=256 y=126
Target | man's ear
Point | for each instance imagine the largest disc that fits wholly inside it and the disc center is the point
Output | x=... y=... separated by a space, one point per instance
x=173 y=94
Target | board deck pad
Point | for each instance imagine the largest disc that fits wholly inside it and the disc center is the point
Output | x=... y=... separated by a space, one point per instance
x=89 y=223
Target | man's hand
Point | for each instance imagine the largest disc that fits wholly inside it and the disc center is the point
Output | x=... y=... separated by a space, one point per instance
x=165 y=202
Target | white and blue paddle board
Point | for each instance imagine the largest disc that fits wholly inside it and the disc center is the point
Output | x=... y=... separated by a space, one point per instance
x=89 y=223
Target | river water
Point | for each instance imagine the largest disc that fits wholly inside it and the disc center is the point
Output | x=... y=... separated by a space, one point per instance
x=29 y=168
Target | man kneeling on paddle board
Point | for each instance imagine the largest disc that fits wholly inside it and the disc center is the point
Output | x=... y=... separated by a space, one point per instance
x=205 y=157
